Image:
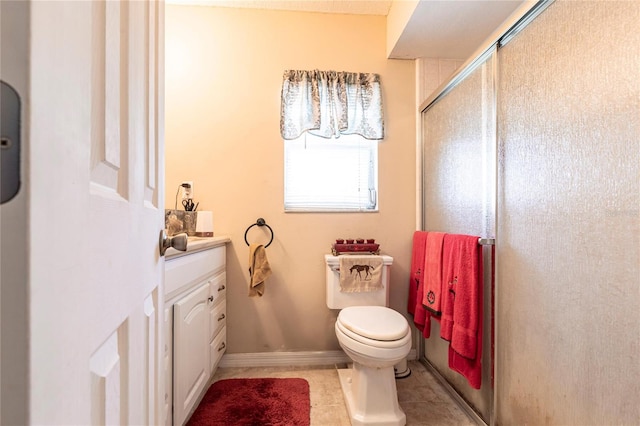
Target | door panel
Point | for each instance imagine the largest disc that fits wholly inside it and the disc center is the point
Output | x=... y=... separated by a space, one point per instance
x=106 y=383
x=108 y=102
x=568 y=243
x=459 y=197
x=95 y=212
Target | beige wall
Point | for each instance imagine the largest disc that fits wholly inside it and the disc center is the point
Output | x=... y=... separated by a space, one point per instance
x=224 y=72
x=431 y=73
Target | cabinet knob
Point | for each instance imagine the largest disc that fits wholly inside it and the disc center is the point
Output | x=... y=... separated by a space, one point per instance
x=222 y=287
x=222 y=346
x=221 y=317
x=210 y=298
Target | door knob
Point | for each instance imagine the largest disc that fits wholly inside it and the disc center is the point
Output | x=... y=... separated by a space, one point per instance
x=178 y=242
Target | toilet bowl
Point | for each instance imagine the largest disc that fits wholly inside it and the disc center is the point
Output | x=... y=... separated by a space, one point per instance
x=375 y=338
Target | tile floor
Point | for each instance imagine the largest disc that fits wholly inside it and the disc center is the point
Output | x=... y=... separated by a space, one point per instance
x=423 y=399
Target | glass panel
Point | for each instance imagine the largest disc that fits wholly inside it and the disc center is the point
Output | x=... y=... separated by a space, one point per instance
x=349 y=162
x=568 y=246
x=459 y=196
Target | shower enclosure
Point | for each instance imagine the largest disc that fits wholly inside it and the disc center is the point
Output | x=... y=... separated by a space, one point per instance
x=536 y=143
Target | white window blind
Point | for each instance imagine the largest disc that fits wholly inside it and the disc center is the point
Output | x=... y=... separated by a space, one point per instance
x=330 y=174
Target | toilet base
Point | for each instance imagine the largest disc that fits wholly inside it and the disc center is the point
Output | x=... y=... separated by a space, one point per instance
x=402 y=370
x=371 y=396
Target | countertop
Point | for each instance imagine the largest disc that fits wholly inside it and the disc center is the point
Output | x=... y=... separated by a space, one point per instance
x=195 y=244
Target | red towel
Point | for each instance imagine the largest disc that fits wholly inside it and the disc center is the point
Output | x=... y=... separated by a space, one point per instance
x=462 y=305
x=417 y=252
x=431 y=298
x=416 y=284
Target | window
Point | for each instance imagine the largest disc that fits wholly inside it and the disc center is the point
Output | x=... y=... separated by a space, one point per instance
x=331 y=174
x=331 y=123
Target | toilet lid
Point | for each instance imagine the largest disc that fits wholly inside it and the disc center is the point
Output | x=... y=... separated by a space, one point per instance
x=374 y=322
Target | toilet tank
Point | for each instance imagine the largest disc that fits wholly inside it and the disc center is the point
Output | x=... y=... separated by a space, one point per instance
x=338 y=300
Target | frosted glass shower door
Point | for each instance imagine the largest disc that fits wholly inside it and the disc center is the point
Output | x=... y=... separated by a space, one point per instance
x=459 y=162
x=568 y=247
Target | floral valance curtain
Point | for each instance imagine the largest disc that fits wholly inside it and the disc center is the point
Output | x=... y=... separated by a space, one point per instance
x=331 y=103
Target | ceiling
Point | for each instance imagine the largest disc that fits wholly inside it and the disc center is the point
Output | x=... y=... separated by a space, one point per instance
x=451 y=29
x=359 y=7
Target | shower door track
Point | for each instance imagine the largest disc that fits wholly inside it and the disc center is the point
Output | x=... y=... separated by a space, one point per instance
x=462 y=403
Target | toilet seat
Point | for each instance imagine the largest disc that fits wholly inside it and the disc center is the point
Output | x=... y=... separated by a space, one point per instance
x=377 y=321
x=379 y=344
x=375 y=326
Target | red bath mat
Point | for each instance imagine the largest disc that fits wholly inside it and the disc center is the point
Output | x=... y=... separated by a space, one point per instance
x=275 y=402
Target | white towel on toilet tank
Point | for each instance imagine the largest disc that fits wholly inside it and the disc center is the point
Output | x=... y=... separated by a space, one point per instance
x=360 y=273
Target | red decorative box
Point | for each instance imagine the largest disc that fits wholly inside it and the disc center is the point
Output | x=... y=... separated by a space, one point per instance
x=340 y=247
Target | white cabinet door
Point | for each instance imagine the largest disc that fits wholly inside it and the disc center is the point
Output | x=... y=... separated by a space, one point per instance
x=190 y=350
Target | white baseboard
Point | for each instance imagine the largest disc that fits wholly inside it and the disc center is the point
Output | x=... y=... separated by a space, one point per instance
x=283 y=359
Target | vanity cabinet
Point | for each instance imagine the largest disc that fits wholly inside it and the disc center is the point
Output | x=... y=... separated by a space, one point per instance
x=195 y=327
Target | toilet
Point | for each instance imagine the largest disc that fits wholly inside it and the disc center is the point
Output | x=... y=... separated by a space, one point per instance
x=376 y=338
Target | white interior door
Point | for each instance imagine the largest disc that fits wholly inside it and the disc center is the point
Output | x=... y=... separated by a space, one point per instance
x=96 y=210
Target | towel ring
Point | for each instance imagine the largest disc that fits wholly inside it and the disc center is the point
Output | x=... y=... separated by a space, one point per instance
x=259 y=222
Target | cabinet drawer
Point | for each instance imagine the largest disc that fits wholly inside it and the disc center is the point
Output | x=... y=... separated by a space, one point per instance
x=218 y=286
x=218 y=347
x=218 y=318
x=185 y=271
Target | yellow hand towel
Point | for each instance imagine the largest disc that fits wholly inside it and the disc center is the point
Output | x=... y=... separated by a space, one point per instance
x=259 y=269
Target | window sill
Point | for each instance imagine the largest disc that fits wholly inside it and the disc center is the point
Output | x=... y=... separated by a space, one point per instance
x=321 y=210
